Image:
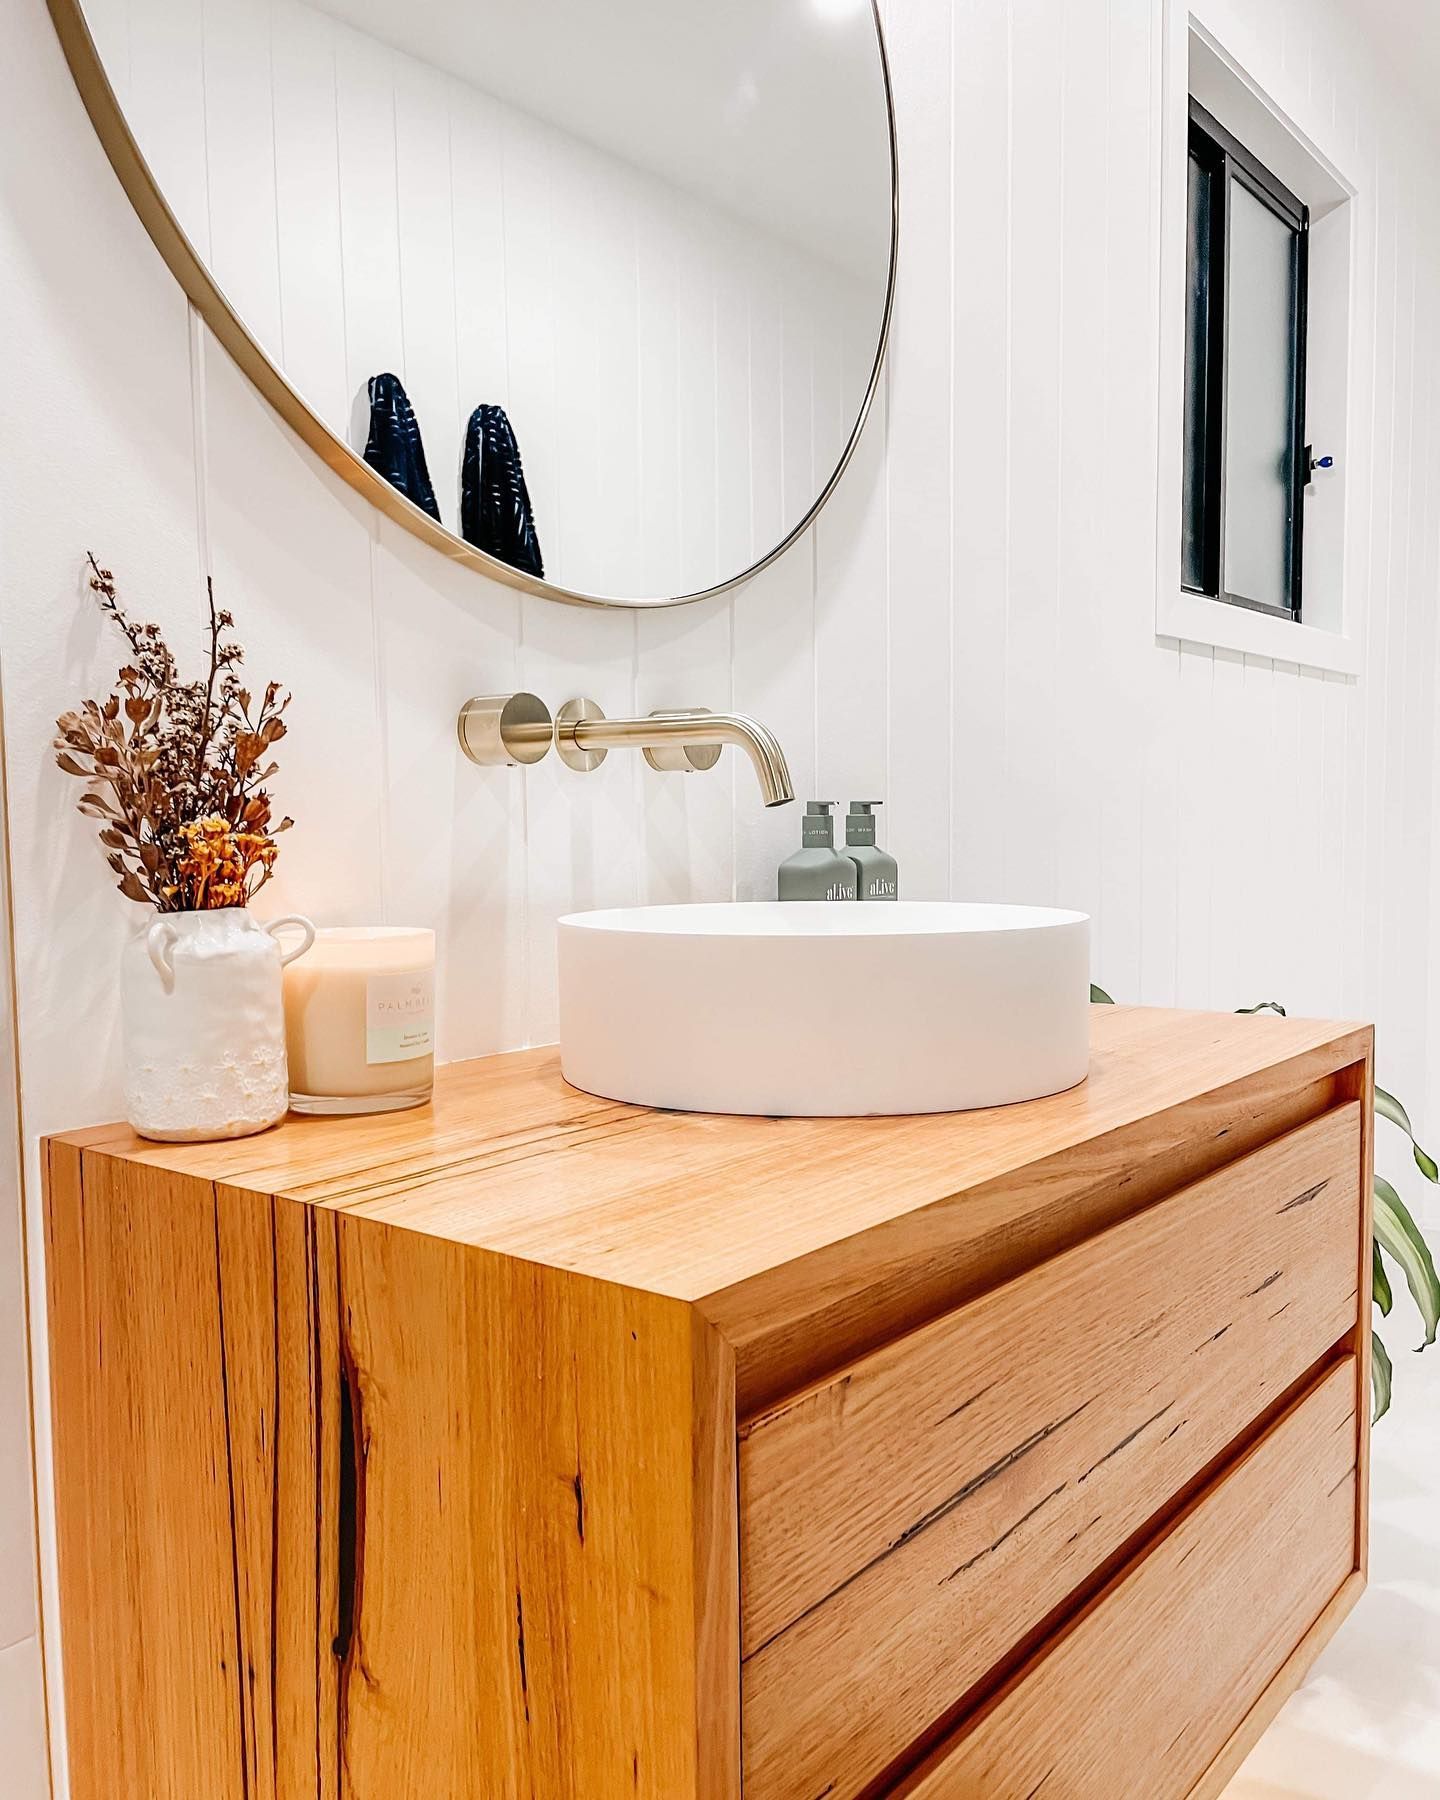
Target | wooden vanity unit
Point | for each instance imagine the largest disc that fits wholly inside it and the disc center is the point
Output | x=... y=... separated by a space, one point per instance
x=530 y=1445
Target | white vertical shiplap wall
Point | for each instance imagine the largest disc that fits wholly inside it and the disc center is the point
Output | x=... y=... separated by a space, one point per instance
x=968 y=632
x=365 y=211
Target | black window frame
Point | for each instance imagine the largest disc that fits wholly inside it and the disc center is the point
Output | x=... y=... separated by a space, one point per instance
x=1224 y=159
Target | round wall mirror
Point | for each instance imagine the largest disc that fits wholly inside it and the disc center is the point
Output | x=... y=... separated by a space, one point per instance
x=592 y=297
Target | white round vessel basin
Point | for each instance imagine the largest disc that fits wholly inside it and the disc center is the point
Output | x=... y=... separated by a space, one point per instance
x=825 y=1008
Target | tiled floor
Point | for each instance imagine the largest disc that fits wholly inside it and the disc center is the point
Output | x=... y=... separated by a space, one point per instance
x=1366 y=1725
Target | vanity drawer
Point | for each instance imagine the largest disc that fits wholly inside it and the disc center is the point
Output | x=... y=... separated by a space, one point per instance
x=1137 y=1697
x=907 y=1522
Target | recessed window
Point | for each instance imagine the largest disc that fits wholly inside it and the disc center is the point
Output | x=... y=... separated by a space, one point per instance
x=1246 y=465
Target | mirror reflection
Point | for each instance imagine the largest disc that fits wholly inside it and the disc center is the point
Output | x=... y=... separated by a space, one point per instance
x=600 y=288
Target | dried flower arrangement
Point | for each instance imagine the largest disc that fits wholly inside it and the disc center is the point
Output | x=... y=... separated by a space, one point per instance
x=175 y=771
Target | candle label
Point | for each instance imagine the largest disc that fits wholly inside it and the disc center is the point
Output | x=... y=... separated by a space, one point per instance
x=400 y=1016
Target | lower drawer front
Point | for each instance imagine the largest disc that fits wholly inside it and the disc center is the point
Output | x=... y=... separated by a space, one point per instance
x=1136 y=1698
x=930 y=1506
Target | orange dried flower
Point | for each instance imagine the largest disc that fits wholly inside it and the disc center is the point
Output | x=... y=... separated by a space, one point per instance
x=220 y=866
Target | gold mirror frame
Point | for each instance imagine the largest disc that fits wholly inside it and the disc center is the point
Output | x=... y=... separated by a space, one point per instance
x=108 y=118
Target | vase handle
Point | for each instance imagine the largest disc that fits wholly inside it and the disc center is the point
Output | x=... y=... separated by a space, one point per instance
x=307 y=929
x=160 y=943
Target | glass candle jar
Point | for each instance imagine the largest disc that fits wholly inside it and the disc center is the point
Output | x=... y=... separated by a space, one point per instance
x=360 y=1020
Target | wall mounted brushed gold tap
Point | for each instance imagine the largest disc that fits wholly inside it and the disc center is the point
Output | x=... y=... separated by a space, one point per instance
x=673 y=740
x=515 y=728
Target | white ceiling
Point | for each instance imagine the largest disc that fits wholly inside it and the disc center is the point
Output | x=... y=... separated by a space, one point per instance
x=772 y=108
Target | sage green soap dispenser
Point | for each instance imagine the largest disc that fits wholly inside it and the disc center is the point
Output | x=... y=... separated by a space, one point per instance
x=877 y=874
x=817 y=871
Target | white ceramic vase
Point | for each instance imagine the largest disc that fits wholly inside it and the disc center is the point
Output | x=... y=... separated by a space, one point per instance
x=203 y=1024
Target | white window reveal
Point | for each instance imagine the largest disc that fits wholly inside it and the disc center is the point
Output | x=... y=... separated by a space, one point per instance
x=1254 y=335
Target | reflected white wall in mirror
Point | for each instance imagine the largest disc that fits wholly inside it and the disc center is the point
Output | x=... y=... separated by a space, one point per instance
x=657 y=233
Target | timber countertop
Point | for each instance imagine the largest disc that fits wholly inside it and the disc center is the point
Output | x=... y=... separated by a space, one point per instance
x=776 y=1226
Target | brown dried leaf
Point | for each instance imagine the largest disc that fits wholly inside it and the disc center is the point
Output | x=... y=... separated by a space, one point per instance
x=160 y=751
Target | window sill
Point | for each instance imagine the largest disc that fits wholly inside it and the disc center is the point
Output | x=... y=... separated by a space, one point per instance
x=1201 y=621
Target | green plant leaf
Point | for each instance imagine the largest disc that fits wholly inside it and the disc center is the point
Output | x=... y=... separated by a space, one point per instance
x=1380 y=1285
x=1098 y=996
x=1380 y=1378
x=1402 y=1241
x=1388 y=1107
x=1264 y=1006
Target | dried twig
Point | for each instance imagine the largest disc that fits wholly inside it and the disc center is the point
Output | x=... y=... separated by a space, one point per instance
x=175 y=771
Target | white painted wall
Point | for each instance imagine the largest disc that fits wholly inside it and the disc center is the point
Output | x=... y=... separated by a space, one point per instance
x=364 y=211
x=968 y=631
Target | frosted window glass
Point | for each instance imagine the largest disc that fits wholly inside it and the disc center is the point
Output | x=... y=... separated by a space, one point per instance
x=1259 y=400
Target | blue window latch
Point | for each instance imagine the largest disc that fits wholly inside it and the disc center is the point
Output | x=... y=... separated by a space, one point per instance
x=1316 y=462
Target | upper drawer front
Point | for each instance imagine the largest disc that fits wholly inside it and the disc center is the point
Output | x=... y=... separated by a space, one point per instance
x=928 y=1506
x=1139 y=1697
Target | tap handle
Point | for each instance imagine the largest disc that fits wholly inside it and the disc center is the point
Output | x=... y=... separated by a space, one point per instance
x=500 y=729
x=686 y=758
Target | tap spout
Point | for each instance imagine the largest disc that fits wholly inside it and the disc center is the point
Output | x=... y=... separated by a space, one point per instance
x=681 y=732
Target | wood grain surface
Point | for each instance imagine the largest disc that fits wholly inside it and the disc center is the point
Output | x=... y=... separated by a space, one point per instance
x=804 y=1241
x=143 y=1488
x=348 y=1511
x=930 y=1505
x=546 y=1587
x=401 y=1454
x=1136 y=1698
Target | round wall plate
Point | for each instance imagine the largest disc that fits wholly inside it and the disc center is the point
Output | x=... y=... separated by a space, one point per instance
x=571 y=714
x=686 y=758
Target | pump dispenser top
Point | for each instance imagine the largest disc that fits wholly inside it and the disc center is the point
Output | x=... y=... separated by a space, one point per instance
x=817 y=871
x=817 y=827
x=877 y=874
